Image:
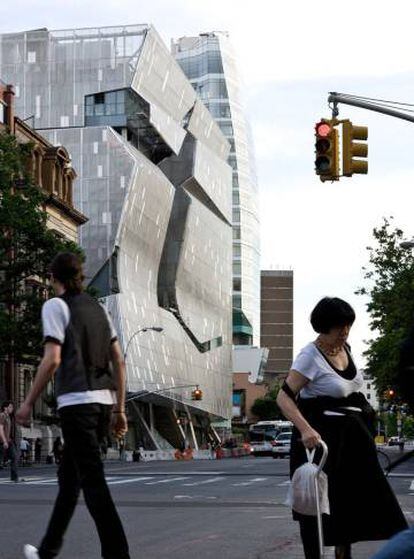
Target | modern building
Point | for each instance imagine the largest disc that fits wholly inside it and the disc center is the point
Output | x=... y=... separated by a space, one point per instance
x=277 y=322
x=154 y=180
x=210 y=64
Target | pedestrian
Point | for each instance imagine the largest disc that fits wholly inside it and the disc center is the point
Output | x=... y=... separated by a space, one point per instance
x=8 y=451
x=38 y=450
x=322 y=397
x=121 y=449
x=57 y=450
x=82 y=351
x=24 y=451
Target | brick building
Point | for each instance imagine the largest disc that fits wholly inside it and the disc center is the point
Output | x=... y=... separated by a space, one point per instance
x=53 y=174
x=277 y=321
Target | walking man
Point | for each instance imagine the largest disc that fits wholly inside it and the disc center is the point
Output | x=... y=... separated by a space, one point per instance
x=8 y=449
x=81 y=347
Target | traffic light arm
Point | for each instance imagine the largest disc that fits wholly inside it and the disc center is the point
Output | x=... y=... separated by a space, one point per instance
x=375 y=105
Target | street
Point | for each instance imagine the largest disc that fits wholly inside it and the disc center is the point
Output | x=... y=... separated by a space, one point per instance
x=229 y=508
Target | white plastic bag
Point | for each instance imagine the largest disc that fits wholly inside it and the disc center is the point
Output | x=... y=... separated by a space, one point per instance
x=302 y=494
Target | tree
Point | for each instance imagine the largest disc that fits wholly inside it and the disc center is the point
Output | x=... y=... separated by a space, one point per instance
x=266 y=408
x=26 y=248
x=390 y=287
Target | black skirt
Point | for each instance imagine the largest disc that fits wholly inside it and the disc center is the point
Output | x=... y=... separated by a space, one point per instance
x=363 y=506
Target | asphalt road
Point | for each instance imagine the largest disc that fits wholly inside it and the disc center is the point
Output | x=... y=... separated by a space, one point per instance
x=206 y=509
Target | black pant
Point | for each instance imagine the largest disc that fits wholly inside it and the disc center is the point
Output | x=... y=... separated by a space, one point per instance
x=10 y=453
x=83 y=428
x=310 y=540
x=309 y=535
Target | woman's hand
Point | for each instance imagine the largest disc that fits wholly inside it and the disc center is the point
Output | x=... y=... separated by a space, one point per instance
x=310 y=438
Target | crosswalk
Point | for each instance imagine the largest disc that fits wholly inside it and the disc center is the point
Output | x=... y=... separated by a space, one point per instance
x=192 y=480
x=151 y=480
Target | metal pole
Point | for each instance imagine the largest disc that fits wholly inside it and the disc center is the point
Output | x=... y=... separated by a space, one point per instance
x=370 y=106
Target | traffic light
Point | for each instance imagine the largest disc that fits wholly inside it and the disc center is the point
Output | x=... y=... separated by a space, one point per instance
x=197 y=394
x=327 y=150
x=354 y=154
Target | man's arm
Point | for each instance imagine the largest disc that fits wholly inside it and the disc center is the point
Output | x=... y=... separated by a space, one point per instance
x=3 y=438
x=119 y=423
x=47 y=368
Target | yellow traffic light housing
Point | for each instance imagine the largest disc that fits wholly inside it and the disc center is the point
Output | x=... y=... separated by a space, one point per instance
x=354 y=153
x=326 y=150
x=197 y=394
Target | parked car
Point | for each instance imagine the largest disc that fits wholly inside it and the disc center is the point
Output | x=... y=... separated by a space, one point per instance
x=281 y=445
x=261 y=448
x=395 y=441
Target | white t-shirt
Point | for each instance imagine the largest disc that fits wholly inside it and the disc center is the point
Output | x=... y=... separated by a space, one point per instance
x=324 y=380
x=55 y=320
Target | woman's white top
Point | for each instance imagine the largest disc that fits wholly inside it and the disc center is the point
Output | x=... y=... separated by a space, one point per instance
x=324 y=380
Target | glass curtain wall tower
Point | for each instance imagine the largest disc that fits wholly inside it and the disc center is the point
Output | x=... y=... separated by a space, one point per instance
x=209 y=63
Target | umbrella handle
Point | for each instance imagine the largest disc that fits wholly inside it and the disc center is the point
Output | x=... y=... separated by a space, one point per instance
x=318 y=505
x=324 y=456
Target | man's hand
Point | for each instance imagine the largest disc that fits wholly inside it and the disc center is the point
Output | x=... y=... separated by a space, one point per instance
x=119 y=424
x=23 y=415
x=5 y=446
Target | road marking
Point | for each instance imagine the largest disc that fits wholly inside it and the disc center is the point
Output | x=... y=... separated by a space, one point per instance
x=190 y=473
x=51 y=481
x=166 y=480
x=245 y=483
x=284 y=483
x=133 y=480
x=269 y=517
x=412 y=486
x=212 y=480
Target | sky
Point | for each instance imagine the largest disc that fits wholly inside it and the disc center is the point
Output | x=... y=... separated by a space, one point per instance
x=290 y=55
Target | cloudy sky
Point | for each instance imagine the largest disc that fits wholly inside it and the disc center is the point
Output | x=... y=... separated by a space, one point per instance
x=291 y=54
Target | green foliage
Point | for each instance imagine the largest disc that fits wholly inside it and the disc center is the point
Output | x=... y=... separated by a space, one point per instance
x=266 y=408
x=27 y=247
x=390 y=288
x=408 y=427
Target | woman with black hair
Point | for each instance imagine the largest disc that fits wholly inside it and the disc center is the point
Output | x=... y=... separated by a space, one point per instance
x=322 y=397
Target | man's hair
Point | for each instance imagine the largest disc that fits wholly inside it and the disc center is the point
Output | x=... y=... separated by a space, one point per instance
x=5 y=405
x=66 y=267
x=331 y=312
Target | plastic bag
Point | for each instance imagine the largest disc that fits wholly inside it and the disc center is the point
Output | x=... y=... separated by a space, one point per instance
x=302 y=494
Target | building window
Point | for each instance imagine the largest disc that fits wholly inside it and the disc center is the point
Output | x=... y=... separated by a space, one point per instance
x=236 y=215
x=2 y=112
x=368 y=387
x=237 y=301
x=236 y=233
x=236 y=284
x=368 y=396
x=236 y=268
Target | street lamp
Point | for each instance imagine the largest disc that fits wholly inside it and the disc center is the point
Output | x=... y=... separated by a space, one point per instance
x=145 y=329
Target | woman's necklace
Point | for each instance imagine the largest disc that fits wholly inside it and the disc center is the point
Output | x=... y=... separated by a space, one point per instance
x=328 y=349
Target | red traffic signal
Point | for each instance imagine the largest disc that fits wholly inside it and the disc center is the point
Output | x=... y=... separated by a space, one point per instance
x=327 y=151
